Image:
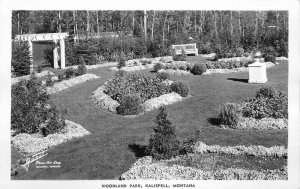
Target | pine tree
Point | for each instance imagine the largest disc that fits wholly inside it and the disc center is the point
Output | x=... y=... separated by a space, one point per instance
x=163 y=143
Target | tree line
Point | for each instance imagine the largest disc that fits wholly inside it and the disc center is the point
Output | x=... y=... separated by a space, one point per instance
x=230 y=28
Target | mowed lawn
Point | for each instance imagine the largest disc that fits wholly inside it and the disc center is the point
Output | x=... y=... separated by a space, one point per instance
x=106 y=153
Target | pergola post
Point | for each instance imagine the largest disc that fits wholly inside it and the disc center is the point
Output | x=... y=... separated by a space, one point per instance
x=55 y=55
x=62 y=54
x=31 y=55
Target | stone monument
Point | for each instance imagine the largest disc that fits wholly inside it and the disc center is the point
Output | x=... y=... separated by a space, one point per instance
x=257 y=70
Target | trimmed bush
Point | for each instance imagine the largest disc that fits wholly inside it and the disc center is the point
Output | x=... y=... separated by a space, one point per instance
x=39 y=69
x=163 y=143
x=181 y=88
x=130 y=105
x=198 y=69
x=49 y=81
x=270 y=58
x=229 y=114
x=265 y=92
x=32 y=109
x=70 y=72
x=157 y=67
x=163 y=76
x=82 y=67
x=20 y=59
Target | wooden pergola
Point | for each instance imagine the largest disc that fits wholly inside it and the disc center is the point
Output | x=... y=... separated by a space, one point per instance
x=57 y=38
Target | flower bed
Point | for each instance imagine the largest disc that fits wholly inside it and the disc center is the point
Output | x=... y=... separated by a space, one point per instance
x=133 y=94
x=146 y=169
x=276 y=151
x=29 y=144
x=27 y=77
x=60 y=86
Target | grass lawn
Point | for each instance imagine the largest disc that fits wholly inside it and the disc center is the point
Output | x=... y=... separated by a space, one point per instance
x=108 y=151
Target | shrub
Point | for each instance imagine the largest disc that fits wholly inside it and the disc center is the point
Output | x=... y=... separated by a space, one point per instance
x=198 y=69
x=229 y=114
x=163 y=76
x=121 y=61
x=61 y=77
x=256 y=108
x=70 y=72
x=82 y=67
x=48 y=54
x=265 y=92
x=49 y=81
x=39 y=69
x=163 y=143
x=187 y=145
x=180 y=88
x=31 y=107
x=20 y=60
x=157 y=67
x=239 y=51
x=270 y=58
x=130 y=105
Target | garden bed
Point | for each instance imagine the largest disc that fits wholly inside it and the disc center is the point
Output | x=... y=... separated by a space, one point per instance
x=27 y=77
x=29 y=144
x=145 y=168
x=60 y=86
x=108 y=64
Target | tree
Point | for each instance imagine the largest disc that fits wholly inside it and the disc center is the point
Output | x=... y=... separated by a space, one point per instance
x=163 y=143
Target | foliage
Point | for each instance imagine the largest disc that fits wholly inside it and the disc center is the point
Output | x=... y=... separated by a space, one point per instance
x=229 y=63
x=49 y=81
x=198 y=69
x=181 y=88
x=125 y=84
x=82 y=67
x=130 y=105
x=179 y=57
x=270 y=58
x=31 y=107
x=230 y=114
x=121 y=61
x=20 y=59
x=163 y=76
x=266 y=92
x=39 y=69
x=268 y=103
x=70 y=72
x=157 y=67
x=48 y=54
x=163 y=143
x=186 y=145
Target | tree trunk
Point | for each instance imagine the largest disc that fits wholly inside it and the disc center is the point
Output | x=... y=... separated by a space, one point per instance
x=163 y=29
x=195 y=21
x=215 y=23
x=87 y=21
x=132 y=21
x=277 y=21
x=18 y=23
x=59 y=25
x=231 y=25
x=256 y=28
x=145 y=24
x=152 y=29
x=98 y=30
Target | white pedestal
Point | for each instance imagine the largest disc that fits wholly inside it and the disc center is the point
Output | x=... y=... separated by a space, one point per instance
x=257 y=73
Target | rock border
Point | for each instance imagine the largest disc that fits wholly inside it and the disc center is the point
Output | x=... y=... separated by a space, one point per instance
x=146 y=169
x=29 y=144
x=60 y=86
x=252 y=150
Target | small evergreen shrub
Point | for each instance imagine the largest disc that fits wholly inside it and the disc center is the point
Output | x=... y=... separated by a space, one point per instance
x=121 y=61
x=186 y=145
x=31 y=108
x=70 y=72
x=130 y=105
x=229 y=114
x=270 y=58
x=163 y=143
x=257 y=108
x=239 y=51
x=163 y=76
x=39 y=69
x=157 y=67
x=181 y=88
x=20 y=59
x=82 y=67
x=198 y=69
x=49 y=81
x=61 y=77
